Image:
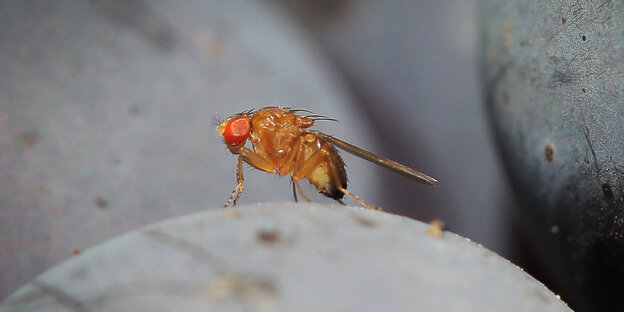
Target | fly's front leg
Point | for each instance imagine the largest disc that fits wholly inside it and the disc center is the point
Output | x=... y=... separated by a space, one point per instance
x=335 y=177
x=255 y=161
x=238 y=190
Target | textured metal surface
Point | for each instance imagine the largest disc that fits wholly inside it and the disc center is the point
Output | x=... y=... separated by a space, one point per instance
x=285 y=257
x=554 y=83
x=107 y=116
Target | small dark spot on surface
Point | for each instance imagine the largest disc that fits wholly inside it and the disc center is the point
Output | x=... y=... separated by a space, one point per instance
x=549 y=152
x=270 y=237
x=584 y=91
x=76 y=252
x=584 y=38
x=563 y=20
x=607 y=191
x=364 y=221
x=28 y=138
x=134 y=110
x=101 y=203
x=268 y=287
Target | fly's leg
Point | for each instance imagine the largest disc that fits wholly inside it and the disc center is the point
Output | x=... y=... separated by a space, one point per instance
x=294 y=190
x=334 y=176
x=303 y=168
x=310 y=164
x=295 y=176
x=357 y=199
x=238 y=190
x=300 y=191
x=255 y=161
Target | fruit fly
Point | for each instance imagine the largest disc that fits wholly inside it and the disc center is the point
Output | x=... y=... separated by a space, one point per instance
x=282 y=143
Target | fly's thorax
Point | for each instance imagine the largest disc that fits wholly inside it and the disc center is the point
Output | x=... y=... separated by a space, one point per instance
x=269 y=117
x=279 y=145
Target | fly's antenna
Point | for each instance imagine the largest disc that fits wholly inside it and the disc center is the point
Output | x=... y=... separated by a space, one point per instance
x=217 y=119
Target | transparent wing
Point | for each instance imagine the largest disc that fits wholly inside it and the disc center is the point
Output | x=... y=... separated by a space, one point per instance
x=384 y=162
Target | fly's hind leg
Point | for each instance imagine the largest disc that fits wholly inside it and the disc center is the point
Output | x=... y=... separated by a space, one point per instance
x=238 y=190
x=357 y=199
x=296 y=183
x=334 y=177
x=297 y=158
x=294 y=190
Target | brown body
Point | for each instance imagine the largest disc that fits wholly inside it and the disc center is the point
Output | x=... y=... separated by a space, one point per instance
x=281 y=137
x=283 y=143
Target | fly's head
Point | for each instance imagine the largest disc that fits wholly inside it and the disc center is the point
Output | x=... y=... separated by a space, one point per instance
x=235 y=131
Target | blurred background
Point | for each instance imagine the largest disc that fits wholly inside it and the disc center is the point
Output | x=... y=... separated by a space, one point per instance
x=108 y=109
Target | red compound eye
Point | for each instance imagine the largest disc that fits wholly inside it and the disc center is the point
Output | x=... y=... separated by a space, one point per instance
x=237 y=131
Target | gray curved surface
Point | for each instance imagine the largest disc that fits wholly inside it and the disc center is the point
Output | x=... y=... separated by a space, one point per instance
x=285 y=257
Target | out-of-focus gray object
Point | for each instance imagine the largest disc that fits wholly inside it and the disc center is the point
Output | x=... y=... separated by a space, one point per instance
x=413 y=67
x=554 y=75
x=285 y=257
x=106 y=115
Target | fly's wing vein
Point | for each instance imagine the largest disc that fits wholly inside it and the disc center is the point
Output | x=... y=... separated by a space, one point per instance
x=384 y=162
